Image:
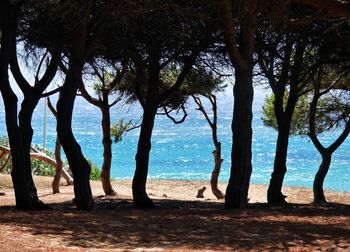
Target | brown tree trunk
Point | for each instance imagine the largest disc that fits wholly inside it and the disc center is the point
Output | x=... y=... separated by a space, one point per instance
x=107 y=149
x=78 y=164
x=139 y=193
x=241 y=168
x=216 y=171
x=319 y=197
x=217 y=152
x=58 y=171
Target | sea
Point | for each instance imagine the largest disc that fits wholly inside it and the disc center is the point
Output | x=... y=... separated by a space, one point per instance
x=184 y=151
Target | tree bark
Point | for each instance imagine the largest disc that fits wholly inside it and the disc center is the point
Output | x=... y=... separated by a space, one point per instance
x=21 y=185
x=241 y=167
x=29 y=103
x=216 y=172
x=107 y=149
x=242 y=59
x=217 y=152
x=139 y=193
x=274 y=192
x=25 y=191
x=78 y=164
x=319 y=197
x=58 y=171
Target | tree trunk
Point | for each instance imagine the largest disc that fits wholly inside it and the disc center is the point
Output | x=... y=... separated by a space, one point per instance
x=23 y=192
x=140 y=196
x=274 y=192
x=78 y=164
x=21 y=185
x=241 y=167
x=29 y=103
x=107 y=150
x=58 y=171
x=216 y=171
x=319 y=197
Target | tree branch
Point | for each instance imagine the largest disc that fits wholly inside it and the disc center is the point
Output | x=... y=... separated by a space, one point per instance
x=230 y=34
x=199 y=103
x=115 y=102
x=341 y=138
x=51 y=107
x=337 y=8
x=17 y=73
x=88 y=97
x=167 y=113
x=47 y=94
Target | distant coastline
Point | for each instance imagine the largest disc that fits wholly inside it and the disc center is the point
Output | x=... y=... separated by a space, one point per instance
x=183 y=152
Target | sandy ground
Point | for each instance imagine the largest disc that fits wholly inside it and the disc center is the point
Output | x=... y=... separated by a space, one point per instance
x=181 y=222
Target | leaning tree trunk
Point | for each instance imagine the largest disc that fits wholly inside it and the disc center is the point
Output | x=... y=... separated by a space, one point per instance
x=107 y=150
x=59 y=171
x=241 y=167
x=78 y=164
x=274 y=192
x=140 y=196
x=319 y=197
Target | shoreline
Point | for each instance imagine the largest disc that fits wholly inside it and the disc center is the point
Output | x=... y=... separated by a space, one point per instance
x=183 y=190
x=225 y=183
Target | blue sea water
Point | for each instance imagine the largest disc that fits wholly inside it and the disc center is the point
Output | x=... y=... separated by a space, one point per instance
x=184 y=151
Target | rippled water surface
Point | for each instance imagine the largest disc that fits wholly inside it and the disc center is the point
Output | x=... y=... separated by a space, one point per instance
x=184 y=151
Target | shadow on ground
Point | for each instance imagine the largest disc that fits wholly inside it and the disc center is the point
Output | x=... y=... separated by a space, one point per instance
x=189 y=225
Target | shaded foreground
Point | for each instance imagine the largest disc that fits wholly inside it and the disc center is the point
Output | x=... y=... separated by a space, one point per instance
x=174 y=225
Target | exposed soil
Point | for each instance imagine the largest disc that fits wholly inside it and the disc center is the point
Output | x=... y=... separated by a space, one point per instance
x=180 y=221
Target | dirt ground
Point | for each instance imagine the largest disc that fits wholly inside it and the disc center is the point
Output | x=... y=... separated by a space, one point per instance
x=181 y=222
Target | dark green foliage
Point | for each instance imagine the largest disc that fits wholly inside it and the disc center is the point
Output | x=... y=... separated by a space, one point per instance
x=120 y=128
x=95 y=171
x=199 y=81
x=299 y=125
x=332 y=112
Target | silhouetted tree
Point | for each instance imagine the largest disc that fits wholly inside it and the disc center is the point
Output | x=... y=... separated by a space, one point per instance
x=328 y=113
x=23 y=191
x=284 y=61
x=22 y=174
x=182 y=32
x=239 y=32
